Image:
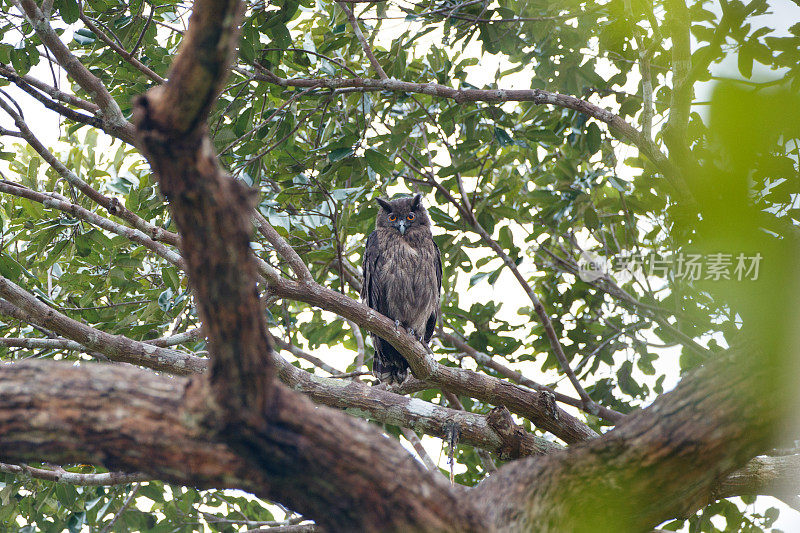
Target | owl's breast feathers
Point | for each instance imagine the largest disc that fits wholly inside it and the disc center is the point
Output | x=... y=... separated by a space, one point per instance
x=407 y=276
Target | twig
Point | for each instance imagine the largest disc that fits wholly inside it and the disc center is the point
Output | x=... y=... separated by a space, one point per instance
x=125 y=505
x=298 y=528
x=62 y=110
x=312 y=52
x=144 y=30
x=359 y=343
x=355 y=373
x=294 y=97
x=127 y=56
x=412 y=437
x=60 y=475
x=88 y=81
x=297 y=352
x=364 y=44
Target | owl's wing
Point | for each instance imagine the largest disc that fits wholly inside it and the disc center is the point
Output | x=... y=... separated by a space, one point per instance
x=438 y=266
x=430 y=325
x=369 y=291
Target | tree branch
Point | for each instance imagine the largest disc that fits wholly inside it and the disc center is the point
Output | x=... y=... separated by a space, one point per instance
x=617 y=125
x=110 y=203
x=127 y=56
x=364 y=44
x=88 y=81
x=59 y=475
x=517 y=377
x=58 y=202
x=659 y=463
x=28 y=82
x=537 y=407
x=318 y=460
x=115 y=347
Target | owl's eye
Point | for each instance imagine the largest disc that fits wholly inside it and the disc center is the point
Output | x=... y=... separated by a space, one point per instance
x=392 y=217
x=411 y=216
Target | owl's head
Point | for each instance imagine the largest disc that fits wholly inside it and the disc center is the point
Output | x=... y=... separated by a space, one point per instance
x=403 y=214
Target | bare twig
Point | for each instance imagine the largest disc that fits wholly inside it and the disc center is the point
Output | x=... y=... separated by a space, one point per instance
x=420 y=449
x=297 y=352
x=359 y=344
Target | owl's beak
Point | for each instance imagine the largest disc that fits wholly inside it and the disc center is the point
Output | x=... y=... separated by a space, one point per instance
x=401 y=227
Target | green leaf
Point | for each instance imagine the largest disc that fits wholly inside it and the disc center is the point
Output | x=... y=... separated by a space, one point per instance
x=502 y=137
x=171 y=278
x=165 y=300
x=84 y=37
x=339 y=153
x=70 y=10
x=379 y=162
x=594 y=137
x=10 y=268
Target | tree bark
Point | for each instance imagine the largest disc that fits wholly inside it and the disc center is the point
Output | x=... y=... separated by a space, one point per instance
x=663 y=462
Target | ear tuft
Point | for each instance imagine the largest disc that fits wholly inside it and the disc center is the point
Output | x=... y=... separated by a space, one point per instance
x=415 y=202
x=384 y=204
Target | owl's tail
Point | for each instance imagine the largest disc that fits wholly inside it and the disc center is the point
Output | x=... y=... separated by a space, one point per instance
x=389 y=366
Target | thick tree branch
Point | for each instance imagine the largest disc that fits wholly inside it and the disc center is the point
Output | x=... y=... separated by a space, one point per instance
x=145 y=431
x=110 y=203
x=539 y=408
x=774 y=476
x=662 y=462
x=389 y=408
x=318 y=460
x=115 y=347
x=120 y=417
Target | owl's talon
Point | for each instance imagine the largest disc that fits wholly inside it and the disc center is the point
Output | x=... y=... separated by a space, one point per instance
x=396 y=324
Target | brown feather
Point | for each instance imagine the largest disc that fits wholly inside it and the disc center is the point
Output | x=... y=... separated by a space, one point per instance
x=402 y=278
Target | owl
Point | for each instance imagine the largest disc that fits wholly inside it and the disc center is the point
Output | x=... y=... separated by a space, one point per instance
x=402 y=279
